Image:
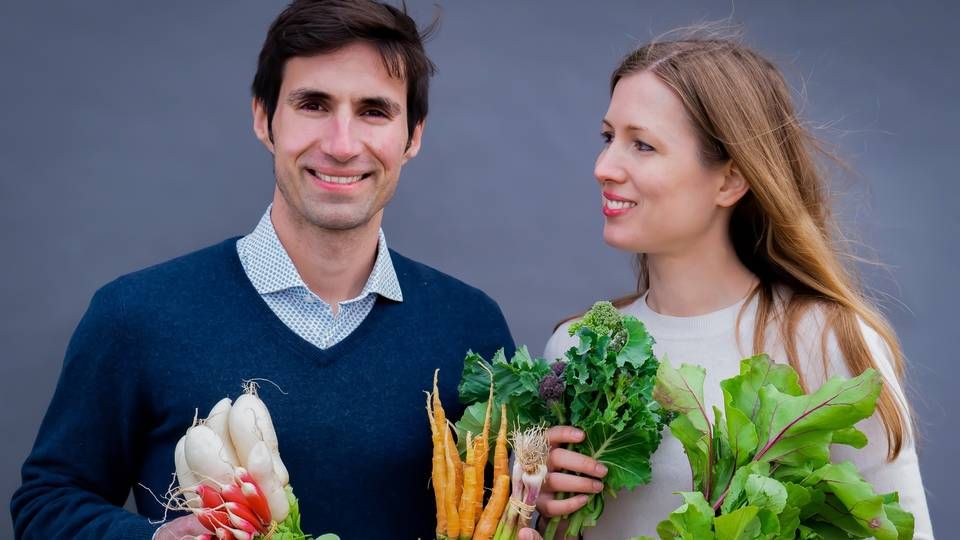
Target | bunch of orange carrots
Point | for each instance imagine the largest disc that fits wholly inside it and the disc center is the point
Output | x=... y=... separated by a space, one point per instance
x=458 y=485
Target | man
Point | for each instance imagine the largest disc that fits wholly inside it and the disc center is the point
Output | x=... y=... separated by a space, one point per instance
x=312 y=300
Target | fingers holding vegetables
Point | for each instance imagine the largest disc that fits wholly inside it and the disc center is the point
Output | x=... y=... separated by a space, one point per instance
x=562 y=459
x=559 y=435
x=570 y=483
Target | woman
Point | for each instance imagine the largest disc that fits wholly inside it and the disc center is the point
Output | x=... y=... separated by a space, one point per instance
x=708 y=175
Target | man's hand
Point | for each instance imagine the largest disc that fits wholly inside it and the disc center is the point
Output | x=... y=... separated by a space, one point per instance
x=180 y=528
x=561 y=459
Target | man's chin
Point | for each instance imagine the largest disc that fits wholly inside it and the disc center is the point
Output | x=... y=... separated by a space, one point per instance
x=338 y=222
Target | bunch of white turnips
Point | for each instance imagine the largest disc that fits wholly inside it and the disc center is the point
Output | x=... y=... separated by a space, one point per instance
x=230 y=472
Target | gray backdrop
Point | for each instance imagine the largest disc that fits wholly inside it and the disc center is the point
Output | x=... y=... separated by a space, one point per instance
x=126 y=140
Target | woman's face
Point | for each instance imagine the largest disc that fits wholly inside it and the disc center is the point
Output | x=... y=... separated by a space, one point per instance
x=658 y=198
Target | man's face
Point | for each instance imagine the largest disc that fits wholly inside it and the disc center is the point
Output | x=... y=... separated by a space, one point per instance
x=339 y=138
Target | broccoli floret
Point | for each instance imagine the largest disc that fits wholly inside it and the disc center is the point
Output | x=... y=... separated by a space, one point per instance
x=558 y=368
x=604 y=320
x=551 y=388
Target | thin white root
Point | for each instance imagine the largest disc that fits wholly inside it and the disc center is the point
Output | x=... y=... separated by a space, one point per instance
x=531 y=448
x=172 y=501
x=250 y=386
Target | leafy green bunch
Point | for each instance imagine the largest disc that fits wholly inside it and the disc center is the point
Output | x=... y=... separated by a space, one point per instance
x=762 y=470
x=290 y=528
x=603 y=386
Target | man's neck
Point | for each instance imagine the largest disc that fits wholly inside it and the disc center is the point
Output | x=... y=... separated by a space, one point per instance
x=335 y=265
x=698 y=280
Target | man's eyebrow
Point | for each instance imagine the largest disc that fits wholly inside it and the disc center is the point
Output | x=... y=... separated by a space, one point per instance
x=388 y=105
x=300 y=95
x=307 y=94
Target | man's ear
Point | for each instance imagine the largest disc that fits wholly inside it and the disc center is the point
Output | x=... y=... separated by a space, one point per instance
x=261 y=125
x=413 y=145
x=733 y=188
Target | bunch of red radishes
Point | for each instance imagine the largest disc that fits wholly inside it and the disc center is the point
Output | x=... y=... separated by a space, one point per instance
x=230 y=472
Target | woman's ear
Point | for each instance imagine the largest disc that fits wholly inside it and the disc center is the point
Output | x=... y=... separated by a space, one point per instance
x=733 y=188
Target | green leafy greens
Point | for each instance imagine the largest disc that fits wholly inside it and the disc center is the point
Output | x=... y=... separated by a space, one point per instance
x=290 y=528
x=604 y=386
x=763 y=470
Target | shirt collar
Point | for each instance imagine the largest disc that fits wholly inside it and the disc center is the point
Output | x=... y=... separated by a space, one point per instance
x=270 y=269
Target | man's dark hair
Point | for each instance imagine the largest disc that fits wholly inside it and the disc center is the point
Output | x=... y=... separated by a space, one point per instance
x=310 y=27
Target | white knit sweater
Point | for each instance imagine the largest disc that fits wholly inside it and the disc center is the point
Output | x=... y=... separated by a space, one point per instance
x=710 y=341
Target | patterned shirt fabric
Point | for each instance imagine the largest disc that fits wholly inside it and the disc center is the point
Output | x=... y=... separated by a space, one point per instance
x=273 y=275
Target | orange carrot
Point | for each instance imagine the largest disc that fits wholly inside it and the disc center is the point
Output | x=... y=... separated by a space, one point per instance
x=494 y=509
x=453 y=485
x=500 y=458
x=467 y=506
x=479 y=463
x=439 y=468
x=482 y=453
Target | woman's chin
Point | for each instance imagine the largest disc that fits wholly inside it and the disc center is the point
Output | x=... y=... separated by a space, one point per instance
x=622 y=240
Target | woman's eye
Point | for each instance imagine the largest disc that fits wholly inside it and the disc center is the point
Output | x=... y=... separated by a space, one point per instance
x=643 y=147
x=606 y=136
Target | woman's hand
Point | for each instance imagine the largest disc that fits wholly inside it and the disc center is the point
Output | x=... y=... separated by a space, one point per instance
x=578 y=487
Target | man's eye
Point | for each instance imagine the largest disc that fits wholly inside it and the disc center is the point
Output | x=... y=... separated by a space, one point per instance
x=311 y=106
x=376 y=113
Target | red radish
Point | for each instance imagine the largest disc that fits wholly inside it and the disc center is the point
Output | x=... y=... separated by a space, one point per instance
x=217 y=421
x=238 y=534
x=210 y=496
x=241 y=524
x=224 y=534
x=244 y=514
x=185 y=476
x=249 y=495
x=202 y=449
x=213 y=520
x=250 y=423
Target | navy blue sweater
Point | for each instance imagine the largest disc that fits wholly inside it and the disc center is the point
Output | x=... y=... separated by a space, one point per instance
x=158 y=344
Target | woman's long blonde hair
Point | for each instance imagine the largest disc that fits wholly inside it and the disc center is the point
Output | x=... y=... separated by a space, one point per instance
x=782 y=229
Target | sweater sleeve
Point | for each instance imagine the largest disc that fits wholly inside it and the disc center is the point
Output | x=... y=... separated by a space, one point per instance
x=85 y=457
x=903 y=473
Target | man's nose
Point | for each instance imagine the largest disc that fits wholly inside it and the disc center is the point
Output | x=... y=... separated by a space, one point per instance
x=340 y=140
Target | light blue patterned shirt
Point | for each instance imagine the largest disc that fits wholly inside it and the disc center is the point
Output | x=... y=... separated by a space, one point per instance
x=270 y=270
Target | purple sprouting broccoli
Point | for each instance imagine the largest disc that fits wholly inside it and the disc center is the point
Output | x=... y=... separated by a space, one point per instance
x=552 y=387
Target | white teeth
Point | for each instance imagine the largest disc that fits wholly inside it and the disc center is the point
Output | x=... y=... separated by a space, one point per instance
x=618 y=205
x=338 y=179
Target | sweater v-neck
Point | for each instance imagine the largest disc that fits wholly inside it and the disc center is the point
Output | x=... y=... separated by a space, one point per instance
x=284 y=334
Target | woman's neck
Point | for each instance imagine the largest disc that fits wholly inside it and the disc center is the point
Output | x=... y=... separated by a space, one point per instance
x=697 y=281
